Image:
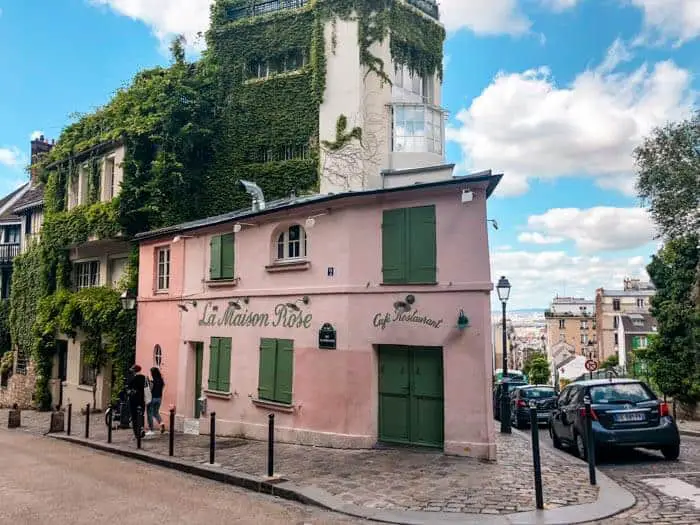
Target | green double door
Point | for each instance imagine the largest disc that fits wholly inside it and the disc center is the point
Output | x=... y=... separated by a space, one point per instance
x=411 y=398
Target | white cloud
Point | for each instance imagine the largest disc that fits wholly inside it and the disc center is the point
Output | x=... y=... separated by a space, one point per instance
x=503 y=248
x=36 y=134
x=559 y=5
x=528 y=127
x=11 y=157
x=677 y=20
x=166 y=17
x=594 y=229
x=538 y=238
x=537 y=277
x=484 y=17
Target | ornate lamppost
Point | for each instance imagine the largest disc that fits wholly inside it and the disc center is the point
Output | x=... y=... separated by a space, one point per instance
x=503 y=289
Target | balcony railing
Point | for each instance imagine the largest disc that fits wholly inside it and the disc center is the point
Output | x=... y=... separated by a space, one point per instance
x=259 y=7
x=262 y=7
x=8 y=252
x=429 y=7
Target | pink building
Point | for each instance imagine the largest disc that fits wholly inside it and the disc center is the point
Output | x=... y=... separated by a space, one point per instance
x=356 y=317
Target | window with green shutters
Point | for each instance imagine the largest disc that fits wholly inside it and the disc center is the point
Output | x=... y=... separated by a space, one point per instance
x=220 y=364
x=276 y=370
x=409 y=247
x=221 y=257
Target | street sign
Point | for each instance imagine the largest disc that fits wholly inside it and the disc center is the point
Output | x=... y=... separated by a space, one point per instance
x=591 y=365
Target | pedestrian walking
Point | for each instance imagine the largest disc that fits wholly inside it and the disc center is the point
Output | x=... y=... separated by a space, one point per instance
x=157 y=386
x=137 y=399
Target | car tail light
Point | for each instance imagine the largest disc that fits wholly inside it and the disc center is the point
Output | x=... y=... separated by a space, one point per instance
x=521 y=403
x=663 y=410
x=594 y=416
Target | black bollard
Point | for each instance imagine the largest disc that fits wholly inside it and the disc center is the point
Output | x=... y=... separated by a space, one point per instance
x=171 y=435
x=87 y=421
x=271 y=445
x=138 y=426
x=212 y=437
x=110 y=420
x=70 y=418
x=534 y=425
x=590 y=444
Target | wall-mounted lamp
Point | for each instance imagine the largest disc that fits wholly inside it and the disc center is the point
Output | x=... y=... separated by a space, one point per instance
x=128 y=300
x=493 y=222
x=462 y=320
x=294 y=306
x=467 y=196
x=311 y=221
x=183 y=306
x=178 y=238
x=239 y=226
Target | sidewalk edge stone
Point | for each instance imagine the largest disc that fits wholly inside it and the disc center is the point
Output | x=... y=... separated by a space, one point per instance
x=612 y=499
x=690 y=433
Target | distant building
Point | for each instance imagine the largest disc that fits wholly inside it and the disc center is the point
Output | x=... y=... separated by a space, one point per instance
x=612 y=305
x=633 y=331
x=571 y=320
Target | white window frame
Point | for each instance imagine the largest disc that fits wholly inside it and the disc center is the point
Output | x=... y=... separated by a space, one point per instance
x=163 y=268
x=291 y=250
x=88 y=278
x=417 y=128
x=108 y=176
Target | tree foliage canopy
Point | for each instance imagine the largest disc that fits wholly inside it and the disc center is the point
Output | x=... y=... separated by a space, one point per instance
x=536 y=368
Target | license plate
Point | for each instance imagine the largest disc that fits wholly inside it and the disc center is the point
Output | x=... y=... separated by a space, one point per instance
x=630 y=417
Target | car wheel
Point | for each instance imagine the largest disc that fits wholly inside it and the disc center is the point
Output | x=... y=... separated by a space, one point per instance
x=671 y=453
x=556 y=443
x=581 y=450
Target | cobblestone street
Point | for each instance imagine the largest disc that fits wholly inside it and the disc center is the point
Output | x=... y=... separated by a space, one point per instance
x=381 y=479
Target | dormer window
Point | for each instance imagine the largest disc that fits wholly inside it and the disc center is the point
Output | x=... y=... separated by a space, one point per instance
x=291 y=244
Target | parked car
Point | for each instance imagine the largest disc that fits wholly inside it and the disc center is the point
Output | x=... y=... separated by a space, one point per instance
x=498 y=388
x=544 y=397
x=625 y=412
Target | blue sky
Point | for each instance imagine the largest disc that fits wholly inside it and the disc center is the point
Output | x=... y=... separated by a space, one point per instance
x=553 y=93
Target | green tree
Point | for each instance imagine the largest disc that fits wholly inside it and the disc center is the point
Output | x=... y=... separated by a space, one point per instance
x=536 y=368
x=610 y=362
x=673 y=354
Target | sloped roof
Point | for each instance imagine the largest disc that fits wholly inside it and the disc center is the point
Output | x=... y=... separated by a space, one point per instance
x=7 y=202
x=32 y=198
x=638 y=323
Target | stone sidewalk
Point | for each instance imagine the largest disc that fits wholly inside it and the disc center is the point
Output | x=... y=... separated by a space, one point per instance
x=383 y=479
x=689 y=428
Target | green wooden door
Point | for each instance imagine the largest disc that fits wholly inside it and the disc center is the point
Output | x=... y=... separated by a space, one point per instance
x=411 y=400
x=198 y=356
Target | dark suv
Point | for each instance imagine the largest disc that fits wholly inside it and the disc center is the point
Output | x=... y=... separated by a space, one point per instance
x=626 y=413
x=544 y=398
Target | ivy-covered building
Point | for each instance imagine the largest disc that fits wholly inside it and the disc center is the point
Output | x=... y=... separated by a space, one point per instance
x=299 y=96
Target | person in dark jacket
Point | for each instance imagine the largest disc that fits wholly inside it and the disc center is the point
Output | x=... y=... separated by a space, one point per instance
x=137 y=399
x=157 y=385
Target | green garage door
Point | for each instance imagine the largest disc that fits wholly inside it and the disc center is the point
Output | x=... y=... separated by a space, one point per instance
x=411 y=401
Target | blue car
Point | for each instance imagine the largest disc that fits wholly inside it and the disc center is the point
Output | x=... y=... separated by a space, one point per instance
x=625 y=412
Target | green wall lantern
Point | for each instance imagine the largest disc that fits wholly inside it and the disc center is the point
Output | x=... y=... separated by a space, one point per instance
x=462 y=320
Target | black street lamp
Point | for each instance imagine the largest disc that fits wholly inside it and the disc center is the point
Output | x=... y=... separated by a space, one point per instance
x=503 y=289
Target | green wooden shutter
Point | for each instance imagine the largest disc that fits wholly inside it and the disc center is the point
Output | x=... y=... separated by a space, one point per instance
x=227 y=247
x=285 y=371
x=215 y=257
x=422 y=245
x=224 y=373
x=266 y=374
x=214 y=363
x=394 y=246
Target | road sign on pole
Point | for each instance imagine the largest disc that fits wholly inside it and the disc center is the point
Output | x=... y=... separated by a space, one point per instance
x=591 y=365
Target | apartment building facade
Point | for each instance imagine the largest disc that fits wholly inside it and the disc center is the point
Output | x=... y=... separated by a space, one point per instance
x=571 y=324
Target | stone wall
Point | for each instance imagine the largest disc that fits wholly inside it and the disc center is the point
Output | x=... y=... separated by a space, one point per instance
x=19 y=389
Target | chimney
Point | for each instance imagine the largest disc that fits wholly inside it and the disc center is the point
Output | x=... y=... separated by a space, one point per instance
x=39 y=148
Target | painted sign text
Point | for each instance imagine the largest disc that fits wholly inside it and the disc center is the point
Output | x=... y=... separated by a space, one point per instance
x=282 y=315
x=383 y=320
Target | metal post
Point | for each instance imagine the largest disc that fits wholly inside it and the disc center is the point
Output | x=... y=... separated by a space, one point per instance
x=212 y=437
x=505 y=402
x=539 y=498
x=87 y=421
x=590 y=445
x=590 y=357
x=171 y=435
x=138 y=426
x=70 y=417
x=110 y=420
x=271 y=446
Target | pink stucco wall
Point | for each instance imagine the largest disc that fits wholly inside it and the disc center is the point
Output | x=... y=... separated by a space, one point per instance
x=334 y=391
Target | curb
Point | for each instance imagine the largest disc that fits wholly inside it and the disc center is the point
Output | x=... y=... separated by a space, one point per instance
x=612 y=499
x=691 y=433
